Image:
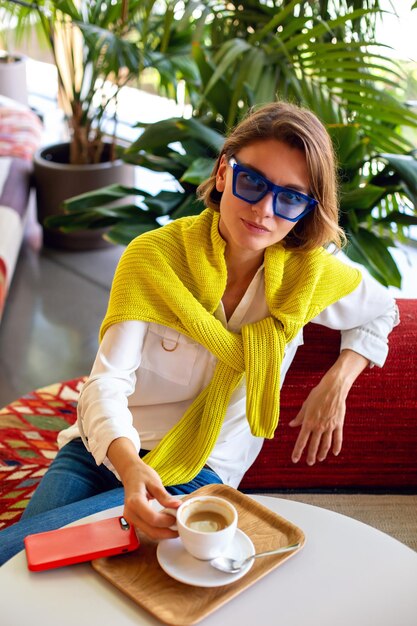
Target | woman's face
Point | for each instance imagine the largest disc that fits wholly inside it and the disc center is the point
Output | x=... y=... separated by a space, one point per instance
x=250 y=228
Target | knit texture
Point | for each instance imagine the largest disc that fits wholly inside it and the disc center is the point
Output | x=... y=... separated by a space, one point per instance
x=176 y=276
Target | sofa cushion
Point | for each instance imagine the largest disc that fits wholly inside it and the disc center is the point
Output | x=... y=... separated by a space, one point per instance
x=20 y=130
x=20 y=136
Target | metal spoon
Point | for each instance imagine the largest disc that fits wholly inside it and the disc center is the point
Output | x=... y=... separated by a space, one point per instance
x=232 y=566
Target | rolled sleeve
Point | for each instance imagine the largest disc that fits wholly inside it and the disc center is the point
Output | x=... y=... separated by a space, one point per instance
x=365 y=318
x=370 y=340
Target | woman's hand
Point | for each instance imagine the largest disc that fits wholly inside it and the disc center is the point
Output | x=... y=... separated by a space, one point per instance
x=321 y=419
x=142 y=484
x=322 y=414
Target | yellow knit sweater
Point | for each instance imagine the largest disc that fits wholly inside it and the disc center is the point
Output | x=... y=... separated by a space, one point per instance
x=176 y=276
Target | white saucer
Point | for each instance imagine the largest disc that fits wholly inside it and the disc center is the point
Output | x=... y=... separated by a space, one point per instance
x=179 y=564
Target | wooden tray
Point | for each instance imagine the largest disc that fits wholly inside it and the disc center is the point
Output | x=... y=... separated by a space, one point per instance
x=139 y=575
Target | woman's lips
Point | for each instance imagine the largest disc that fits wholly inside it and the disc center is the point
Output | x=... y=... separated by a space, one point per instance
x=253 y=227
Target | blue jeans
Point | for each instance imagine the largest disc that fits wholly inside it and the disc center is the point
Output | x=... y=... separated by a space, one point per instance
x=72 y=488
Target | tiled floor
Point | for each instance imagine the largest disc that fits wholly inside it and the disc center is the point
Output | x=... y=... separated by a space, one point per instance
x=53 y=312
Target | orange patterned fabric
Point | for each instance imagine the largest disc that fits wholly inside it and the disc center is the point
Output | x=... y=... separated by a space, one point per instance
x=29 y=427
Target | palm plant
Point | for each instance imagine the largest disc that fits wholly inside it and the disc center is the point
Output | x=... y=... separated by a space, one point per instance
x=252 y=53
x=98 y=46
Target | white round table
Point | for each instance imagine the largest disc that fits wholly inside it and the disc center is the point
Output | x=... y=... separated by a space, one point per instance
x=348 y=574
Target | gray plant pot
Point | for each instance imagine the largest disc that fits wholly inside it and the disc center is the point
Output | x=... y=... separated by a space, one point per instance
x=56 y=180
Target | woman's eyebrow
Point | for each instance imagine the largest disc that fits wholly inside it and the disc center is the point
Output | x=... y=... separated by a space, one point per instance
x=294 y=186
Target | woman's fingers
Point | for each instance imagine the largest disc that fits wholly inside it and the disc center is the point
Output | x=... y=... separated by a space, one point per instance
x=151 y=531
x=164 y=498
x=318 y=441
x=315 y=439
x=139 y=512
x=325 y=445
x=143 y=485
x=337 y=440
x=300 y=444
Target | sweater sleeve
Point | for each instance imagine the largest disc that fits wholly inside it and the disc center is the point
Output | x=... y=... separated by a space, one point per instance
x=103 y=412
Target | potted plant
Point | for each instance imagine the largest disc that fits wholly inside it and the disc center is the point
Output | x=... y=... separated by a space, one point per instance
x=345 y=84
x=98 y=46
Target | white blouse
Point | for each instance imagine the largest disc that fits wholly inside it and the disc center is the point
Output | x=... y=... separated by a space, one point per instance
x=146 y=375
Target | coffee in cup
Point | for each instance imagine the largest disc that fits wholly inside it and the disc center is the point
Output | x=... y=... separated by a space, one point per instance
x=206 y=521
x=206 y=525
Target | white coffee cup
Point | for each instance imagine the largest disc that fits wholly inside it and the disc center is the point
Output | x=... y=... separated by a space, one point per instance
x=206 y=525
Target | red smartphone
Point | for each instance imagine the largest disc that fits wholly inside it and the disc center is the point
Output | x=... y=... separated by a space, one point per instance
x=75 y=544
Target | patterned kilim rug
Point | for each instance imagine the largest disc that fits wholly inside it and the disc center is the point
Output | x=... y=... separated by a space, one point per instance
x=28 y=432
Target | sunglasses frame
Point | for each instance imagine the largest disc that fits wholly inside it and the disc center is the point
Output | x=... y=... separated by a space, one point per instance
x=271 y=187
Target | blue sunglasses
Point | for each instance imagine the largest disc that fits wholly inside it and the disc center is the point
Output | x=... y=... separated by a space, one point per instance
x=251 y=187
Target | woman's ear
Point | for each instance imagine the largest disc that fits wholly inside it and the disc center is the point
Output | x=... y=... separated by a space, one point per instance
x=221 y=175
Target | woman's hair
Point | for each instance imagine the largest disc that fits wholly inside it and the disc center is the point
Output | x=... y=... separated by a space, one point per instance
x=299 y=128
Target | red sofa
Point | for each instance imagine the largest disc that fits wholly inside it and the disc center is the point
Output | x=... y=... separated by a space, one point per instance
x=380 y=435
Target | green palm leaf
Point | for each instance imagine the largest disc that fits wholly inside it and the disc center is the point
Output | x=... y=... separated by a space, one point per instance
x=368 y=250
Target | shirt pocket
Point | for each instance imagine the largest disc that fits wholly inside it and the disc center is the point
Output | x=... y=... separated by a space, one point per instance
x=169 y=354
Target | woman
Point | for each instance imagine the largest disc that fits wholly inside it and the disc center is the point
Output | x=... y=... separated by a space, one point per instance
x=204 y=319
